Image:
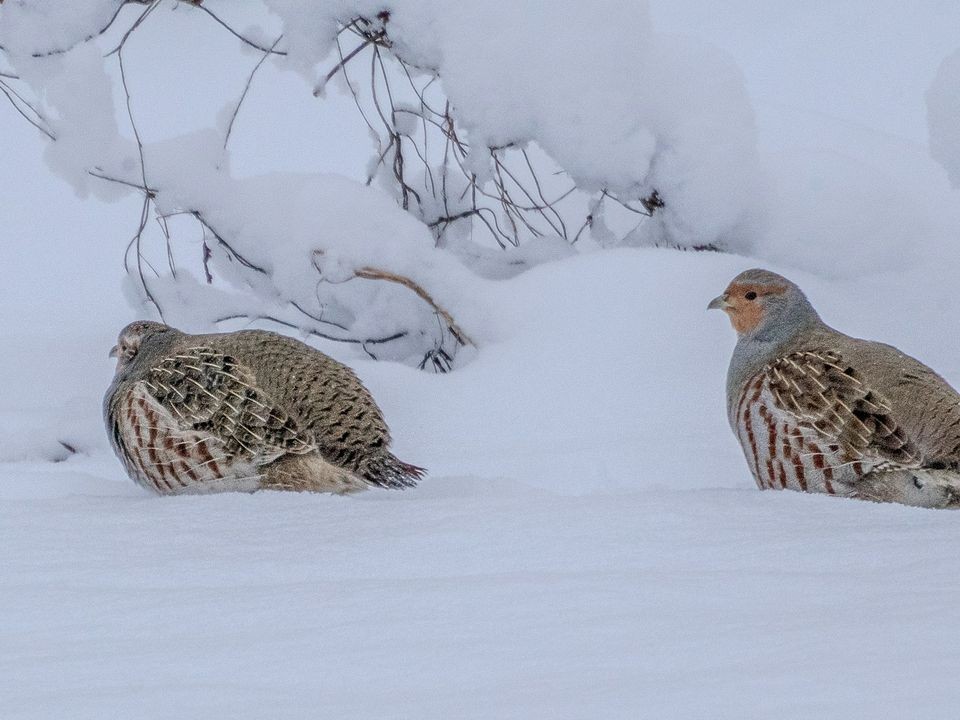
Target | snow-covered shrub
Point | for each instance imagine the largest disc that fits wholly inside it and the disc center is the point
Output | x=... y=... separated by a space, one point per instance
x=504 y=134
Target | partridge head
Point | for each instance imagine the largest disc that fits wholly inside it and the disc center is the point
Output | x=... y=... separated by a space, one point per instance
x=766 y=306
x=128 y=343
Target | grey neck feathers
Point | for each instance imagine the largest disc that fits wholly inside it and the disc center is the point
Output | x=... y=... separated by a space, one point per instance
x=777 y=333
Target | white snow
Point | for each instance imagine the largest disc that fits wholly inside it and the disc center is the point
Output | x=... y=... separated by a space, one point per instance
x=472 y=598
x=943 y=107
x=589 y=543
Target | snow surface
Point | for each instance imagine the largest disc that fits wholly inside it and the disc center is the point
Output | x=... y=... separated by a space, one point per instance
x=589 y=542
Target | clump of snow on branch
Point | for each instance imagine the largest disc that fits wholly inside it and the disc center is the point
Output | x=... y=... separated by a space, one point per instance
x=44 y=28
x=618 y=106
x=82 y=122
x=503 y=137
x=330 y=230
x=48 y=45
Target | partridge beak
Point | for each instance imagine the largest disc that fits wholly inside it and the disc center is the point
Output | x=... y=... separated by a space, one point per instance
x=719 y=303
x=113 y=352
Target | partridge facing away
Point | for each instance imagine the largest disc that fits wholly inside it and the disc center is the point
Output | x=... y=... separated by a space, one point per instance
x=243 y=411
x=819 y=411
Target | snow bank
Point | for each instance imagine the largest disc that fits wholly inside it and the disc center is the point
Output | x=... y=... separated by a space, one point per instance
x=470 y=598
x=588 y=544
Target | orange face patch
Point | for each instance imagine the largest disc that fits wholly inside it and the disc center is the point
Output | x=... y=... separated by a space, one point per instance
x=744 y=304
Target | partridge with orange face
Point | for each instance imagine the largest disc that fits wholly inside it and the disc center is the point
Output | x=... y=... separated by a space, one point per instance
x=819 y=411
x=241 y=412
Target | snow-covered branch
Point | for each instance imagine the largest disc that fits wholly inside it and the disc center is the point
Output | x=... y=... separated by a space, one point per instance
x=490 y=154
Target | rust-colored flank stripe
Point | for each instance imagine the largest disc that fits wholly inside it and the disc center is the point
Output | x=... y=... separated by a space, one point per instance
x=828 y=472
x=179 y=467
x=771 y=446
x=820 y=464
x=783 y=475
x=745 y=411
x=206 y=458
x=787 y=452
x=189 y=472
x=752 y=438
x=817 y=456
x=798 y=465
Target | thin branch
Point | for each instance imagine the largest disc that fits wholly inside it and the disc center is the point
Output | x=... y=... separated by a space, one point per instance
x=317 y=318
x=245 y=40
x=98 y=173
x=139 y=21
x=318 y=90
x=354 y=94
x=220 y=239
x=313 y=331
x=627 y=206
x=145 y=208
x=208 y=276
x=13 y=96
x=447 y=219
x=246 y=89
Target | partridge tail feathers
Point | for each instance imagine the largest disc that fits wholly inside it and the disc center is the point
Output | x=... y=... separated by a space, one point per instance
x=388 y=471
x=922 y=487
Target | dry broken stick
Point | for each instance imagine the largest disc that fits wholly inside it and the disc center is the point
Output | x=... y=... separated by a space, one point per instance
x=371 y=273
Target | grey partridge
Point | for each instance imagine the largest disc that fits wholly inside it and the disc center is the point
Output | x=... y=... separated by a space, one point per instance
x=243 y=411
x=819 y=411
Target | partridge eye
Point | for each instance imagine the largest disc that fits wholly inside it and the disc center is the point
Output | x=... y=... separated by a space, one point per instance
x=751 y=295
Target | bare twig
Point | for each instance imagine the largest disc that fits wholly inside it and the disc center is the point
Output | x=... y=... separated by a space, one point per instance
x=137 y=23
x=245 y=40
x=226 y=245
x=318 y=90
x=16 y=99
x=246 y=89
x=98 y=173
x=314 y=331
x=208 y=276
x=147 y=198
